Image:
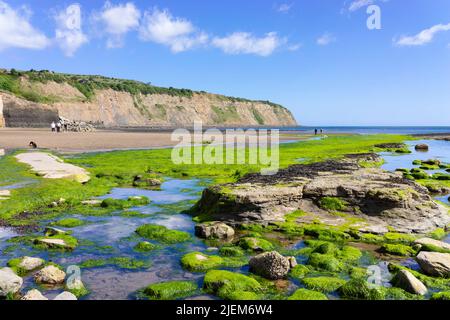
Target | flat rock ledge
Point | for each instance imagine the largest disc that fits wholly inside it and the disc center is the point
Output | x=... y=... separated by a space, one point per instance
x=52 y=167
x=379 y=198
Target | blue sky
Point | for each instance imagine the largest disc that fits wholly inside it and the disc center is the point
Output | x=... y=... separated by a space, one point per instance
x=316 y=57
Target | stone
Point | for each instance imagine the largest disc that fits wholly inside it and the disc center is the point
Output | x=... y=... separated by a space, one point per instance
x=31 y=263
x=53 y=243
x=50 y=231
x=5 y=194
x=50 y=275
x=292 y=262
x=270 y=265
x=432 y=242
x=10 y=283
x=408 y=282
x=92 y=202
x=33 y=295
x=422 y=147
x=214 y=230
x=434 y=263
x=65 y=296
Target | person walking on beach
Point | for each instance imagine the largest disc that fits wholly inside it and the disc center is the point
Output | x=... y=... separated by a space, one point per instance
x=53 y=126
x=58 y=126
x=315 y=132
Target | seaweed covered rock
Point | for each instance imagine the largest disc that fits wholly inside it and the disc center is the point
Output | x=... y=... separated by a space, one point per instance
x=434 y=263
x=162 y=234
x=408 y=282
x=360 y=289
x=305 y=294
x=50 y=275
x=170 y=290
x=270 y=265
x=214 y=230
x=382 y=199
x=10 y=283
x=24 y=265
x=229 y=285
x=433 y=245
x=255 y=244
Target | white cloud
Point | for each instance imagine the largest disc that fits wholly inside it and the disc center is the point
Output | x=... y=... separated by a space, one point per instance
x=16 y=30
x=246 y=43
x=177 y=33
x=285 y=7
x=358 y=4
x=326 y=39
x=117 y=21
x=423 y=37
x=69 y=34
x=294 y=47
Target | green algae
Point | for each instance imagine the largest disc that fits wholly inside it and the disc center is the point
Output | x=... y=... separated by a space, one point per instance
x=323 y=284
x=162 y=234
x=170 y=290
x=305 y=294
x=225 y=283
x=68 y=223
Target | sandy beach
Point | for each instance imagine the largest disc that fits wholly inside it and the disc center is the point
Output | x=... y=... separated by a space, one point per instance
x=100 y=140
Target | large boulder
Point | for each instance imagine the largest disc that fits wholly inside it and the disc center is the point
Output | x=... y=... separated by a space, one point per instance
x=50 y=275
x=408 y=282
x=270 y=265
x=380 y=198
x=434 y=263
x=10 y=283
x=33 y=295
x=214 y=230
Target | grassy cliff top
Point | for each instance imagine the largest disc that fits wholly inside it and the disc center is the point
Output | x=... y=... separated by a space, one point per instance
x=87 y=84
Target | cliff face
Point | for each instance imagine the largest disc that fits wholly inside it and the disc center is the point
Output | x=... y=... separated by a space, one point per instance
x=112 y=108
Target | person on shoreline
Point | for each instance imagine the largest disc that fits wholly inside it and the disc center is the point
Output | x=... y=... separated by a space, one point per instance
x=58 y=126
x=315 y=132
x=53 y=126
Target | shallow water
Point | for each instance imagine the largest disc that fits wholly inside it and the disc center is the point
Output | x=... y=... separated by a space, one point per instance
x=438 y=150
x=114 y=236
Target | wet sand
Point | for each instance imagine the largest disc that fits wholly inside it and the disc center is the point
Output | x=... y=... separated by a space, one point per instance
x=100 y=140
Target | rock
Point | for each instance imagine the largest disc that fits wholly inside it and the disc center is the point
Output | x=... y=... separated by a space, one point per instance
x=10 y=283
x=50 y=275
x=292 y=262
x=50 y=231
x=65 y=296
x=5 y=194
x=270 y=265
x=214 y=230
x=433 y=243
x=30 y=263
x=422 y=147
x=146 y=181
x=33 y=295
x=382 y=199
x=434 y=263
x=408 y=282
x=92 y=202
x=53 y=243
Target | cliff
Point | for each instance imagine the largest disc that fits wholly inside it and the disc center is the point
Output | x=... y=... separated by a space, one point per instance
x=35 y=98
